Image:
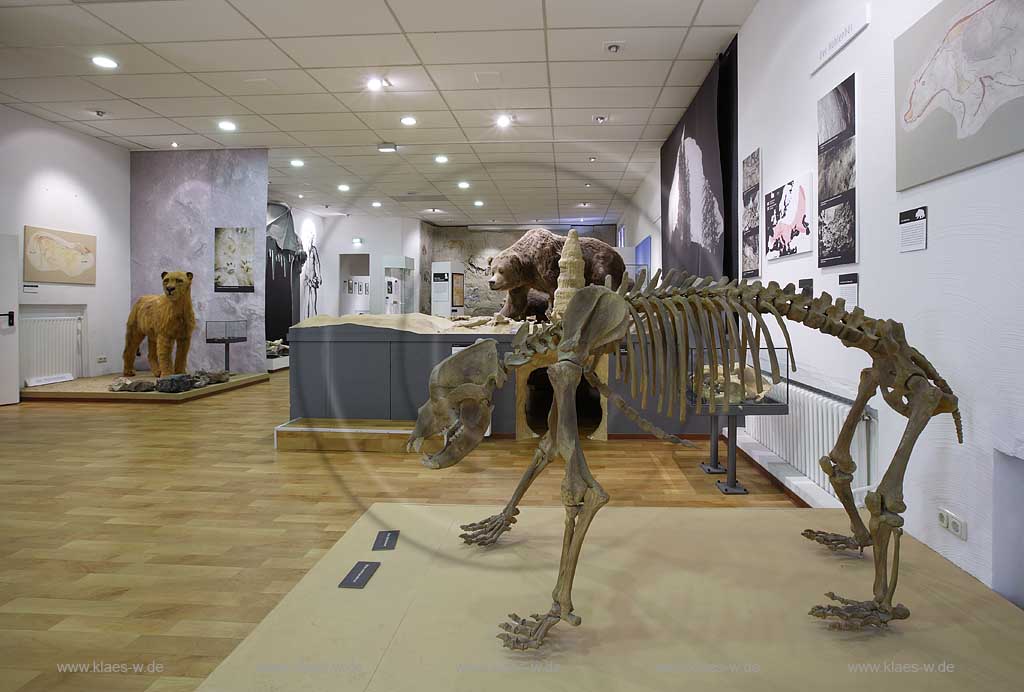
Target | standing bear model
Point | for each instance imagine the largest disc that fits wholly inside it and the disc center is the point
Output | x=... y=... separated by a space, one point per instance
x=165 y=320
x=532 y=262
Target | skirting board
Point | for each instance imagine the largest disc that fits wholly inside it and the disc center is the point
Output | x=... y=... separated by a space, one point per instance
x=670 y=598
x=275 y=364
x=784 y=474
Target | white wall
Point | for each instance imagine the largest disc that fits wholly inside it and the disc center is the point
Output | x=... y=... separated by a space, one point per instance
x=643 y=217
x=57 y=178
x=959 y=299
x=381 y=236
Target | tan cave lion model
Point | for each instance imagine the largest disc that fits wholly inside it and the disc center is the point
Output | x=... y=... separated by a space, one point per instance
x=167 y=321
x=661 y=320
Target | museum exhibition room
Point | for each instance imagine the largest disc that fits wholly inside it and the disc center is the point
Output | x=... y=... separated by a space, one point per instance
x=465 y=345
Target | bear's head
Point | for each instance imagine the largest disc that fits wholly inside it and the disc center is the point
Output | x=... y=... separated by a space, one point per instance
x=507 y=271
x=177 y=285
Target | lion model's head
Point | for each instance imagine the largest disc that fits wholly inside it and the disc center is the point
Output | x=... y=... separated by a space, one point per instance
x=177 y=285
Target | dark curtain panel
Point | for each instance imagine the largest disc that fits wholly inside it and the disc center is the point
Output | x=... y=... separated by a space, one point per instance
x=728 y=142
x=285 y=257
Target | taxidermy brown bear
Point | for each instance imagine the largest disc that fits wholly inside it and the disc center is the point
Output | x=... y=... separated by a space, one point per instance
x=165 y=320
x=532 y=262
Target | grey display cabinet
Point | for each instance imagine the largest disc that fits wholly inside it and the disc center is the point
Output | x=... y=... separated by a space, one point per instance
x=359 y=372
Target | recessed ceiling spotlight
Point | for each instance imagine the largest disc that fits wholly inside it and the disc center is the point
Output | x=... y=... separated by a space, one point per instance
x=581 y=219
x=586 y=184
x=227 y=126
x=584 y=204
x=408 y=120
x=600 y=119
x=298 y=163
x=463 y=185
x=356 y=241
x=613 y=47
x=440 y=158
x=374 y=84
x=478 y=203
x=592 y=159
x=503 y=120
x=104 y=62
x=434 y=210
x=300 y=197
x=387 y=147
x=343 y=188
x=174 y=145
x=536 y=220
x=493 y=220
x=375 y=204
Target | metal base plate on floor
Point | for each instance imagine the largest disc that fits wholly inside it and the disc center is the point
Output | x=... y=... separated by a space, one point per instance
x=708 y=468
x=727 y=489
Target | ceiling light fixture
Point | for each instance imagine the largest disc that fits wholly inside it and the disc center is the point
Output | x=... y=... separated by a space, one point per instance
x=375 y=204
x=586 y=184
x=227 y=126
x=434 y=210
x=592 y=159
x=300 y=196
x=478 y=203
x=503 y=120
x=600 y=119
x=408 y=120
x=104 y=62
x=355 y=241
x=584 y=204
x=440 y=158
x=374 y=84
x=174 y=145
x=298 y=163
x=343 y=188
x=463 y=185
x=387 y=147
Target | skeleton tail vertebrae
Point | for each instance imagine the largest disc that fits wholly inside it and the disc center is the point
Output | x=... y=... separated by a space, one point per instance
x=720 y=322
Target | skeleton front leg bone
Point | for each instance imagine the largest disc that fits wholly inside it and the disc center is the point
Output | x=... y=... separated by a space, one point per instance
x=582 y=497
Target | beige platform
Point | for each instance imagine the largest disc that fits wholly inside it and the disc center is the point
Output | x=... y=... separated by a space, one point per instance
x=96 y=389
x=348 y=435
x=671 y=599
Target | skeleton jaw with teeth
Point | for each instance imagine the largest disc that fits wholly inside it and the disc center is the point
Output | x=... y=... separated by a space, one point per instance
x=461 y=389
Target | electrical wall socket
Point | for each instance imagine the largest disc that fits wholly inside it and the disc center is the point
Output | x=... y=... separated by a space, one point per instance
x=952 y=523
x=101 y=359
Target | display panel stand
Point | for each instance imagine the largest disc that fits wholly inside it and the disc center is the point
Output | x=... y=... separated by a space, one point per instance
x=713 y=466
x=731 y=486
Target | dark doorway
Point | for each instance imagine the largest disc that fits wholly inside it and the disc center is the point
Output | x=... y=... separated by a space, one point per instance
x=540 y=395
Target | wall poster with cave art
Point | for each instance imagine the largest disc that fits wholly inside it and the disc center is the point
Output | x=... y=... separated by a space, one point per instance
x=234 y=254
x=692 y=217
x=750 y=228
x=837 y=176
x=788 y=218
x=959 y=80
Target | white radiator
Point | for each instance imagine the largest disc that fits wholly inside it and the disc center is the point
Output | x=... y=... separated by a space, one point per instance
x=51 y=346
x=809 y=432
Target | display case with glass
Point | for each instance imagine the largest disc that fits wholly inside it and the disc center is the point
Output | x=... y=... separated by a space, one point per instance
x=728 y=389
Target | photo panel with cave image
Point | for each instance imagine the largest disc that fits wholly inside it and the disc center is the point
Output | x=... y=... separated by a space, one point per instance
x=837 y=176
x=837 y=231
x=788 y=218
x=750 y=223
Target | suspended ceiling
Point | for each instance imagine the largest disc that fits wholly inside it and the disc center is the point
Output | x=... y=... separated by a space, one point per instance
x=292 y=77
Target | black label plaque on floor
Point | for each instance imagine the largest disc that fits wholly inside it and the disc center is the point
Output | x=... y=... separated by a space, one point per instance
x=359 y=575
x=386 y=540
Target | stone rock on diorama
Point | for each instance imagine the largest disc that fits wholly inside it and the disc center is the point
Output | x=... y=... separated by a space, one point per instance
x=175 y=384
x=669 y=316
x=124 y=384
x=532 y=263
x=166 y=321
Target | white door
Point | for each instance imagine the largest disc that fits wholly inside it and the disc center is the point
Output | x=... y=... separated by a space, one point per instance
x=9 y=257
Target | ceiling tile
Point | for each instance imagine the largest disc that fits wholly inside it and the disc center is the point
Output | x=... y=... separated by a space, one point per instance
x=676 y=97
x=705 y=43
x=479 y=47
x=337 y=137
x=37 y=111
x=389 y=120
x=119 y=141
x=448 y=149
x=417 y=135
x=261 y=82
x=349 y=51
x=255 y=139
x=598 y=97
x=318 y=17
x=210 y=56
x=509 y=147
x=291 y=103
x=140 y=126
x=636 y=44
x=568 y=13
x=317 y=121
x=689 y=72
x=657 y=132
x=153 y=86
x=77 y=60
x=210 y=124
x=369 y=101
x=666 y=116
x=52 y=89
x=611 y=73
x=490 y=75
x=180 y=20
x=197 y=105
x=183 y=142
x=85 y=129
x=497 y=99
x=112 y=109
x=509 y=133
x=402 y=78
x=725 y=12
x=615 y=116
x=468 y=15
x=54 y=26
x=598 y=132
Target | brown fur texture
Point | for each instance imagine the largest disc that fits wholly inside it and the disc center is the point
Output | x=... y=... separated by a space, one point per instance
x=166 y=320
x=532 y=263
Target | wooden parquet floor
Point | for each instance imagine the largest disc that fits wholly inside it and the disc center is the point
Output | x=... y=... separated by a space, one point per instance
x=161 y=535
